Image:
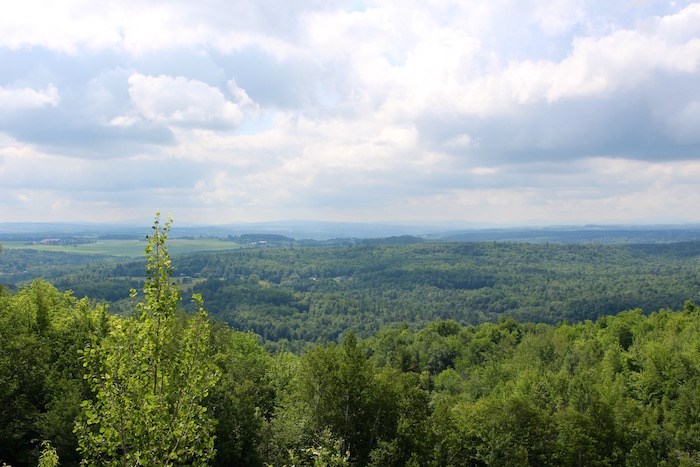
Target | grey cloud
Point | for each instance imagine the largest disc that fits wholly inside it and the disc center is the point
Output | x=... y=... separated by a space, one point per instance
x=37 y=67
x=635 y=124
x=81 y=175
x=271 y=82
x=93 y=90
x=276 y=19
x=295 y=83
x=543 y=147
x=59 y=132
x=200 y=64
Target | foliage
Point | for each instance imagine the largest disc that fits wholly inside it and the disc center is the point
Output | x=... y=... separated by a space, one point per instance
x=150 y=377
x=294 y=296
x=40 y=384
x=244 y=399
x=620 y=390
x=49 y=456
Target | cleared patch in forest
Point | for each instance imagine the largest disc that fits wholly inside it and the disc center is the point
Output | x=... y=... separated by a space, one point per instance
x=131 y=248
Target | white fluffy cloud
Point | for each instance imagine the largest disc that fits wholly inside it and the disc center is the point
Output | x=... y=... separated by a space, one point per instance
x=12 y=99
x=179 y=101
x=136 y=28
x=386 y=110
x=452 y=71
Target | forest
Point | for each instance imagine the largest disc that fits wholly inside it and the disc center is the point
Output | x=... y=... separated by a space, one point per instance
x=294 y=296
x=389 y=380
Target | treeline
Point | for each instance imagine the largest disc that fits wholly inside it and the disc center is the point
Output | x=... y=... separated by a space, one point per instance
x=293 y=296
x=18 y=266
x=622 y=390
x=321 y=292
x=162 y=386
x=297 y=295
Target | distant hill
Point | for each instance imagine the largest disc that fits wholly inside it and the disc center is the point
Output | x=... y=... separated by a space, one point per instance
x=333 y=233
x=595 y=234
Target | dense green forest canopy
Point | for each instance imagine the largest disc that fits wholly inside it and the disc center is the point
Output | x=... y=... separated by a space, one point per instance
x=159 y=385
x=618 y=391
x=296 y=295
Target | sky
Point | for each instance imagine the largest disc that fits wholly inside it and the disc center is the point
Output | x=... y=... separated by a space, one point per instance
x=478 y=113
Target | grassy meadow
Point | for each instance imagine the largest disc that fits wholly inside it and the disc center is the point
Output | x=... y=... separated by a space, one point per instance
x=131 y=248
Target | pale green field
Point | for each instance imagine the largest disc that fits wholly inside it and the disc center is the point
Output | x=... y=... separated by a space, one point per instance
x=133 y=248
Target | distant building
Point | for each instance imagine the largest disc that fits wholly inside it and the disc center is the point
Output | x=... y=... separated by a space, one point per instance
x=51 y=241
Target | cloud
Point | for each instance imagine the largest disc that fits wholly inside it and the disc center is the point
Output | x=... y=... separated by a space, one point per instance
x=627 y=93
x=486 y=109
x=13 y=99
x=684 y=126
x=136 y=28
x=622 y=60
x=179 y=101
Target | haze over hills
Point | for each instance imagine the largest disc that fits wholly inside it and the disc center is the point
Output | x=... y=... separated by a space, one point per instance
x=328 y=231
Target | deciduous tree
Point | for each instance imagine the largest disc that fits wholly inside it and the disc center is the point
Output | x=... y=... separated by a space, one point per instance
x=150 y=376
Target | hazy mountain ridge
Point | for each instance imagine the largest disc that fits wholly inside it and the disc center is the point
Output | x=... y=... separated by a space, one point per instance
x=338 y=232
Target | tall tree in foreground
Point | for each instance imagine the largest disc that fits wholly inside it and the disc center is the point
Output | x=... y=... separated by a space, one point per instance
x=150 y=376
